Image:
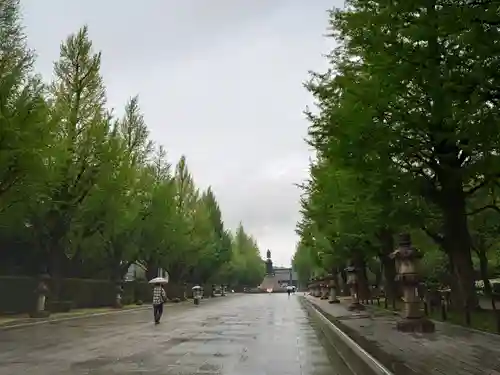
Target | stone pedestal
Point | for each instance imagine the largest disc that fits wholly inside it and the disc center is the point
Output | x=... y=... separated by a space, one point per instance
x=324 y=289
x=317 y=291
x=41 y=292
x=352 y=281
x=118 y=299
x=197 y=293
x=333 y=292
x=407 y=257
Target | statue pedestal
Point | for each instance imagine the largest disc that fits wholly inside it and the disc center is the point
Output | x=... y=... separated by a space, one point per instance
x=270 y=284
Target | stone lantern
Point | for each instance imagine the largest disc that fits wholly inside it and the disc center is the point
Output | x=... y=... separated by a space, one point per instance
x=197 y=292
x=183 y=290
x=323 y=285
x=317 y=288
x=352 y=281
x=332 y=287
x=407 y=259
x=212 y=292
x=118 y=298
x=312 y=287
x=41 y=292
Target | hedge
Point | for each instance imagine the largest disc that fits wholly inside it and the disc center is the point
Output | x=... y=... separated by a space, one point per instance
x=17 y=294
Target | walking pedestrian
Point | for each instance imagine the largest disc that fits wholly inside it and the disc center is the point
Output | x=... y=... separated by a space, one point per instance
x=159 y=298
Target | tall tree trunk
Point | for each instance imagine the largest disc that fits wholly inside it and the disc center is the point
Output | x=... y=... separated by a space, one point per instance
x=452 y=280
x=335 y=275
x=344 y=287
x=360 y=264
x=388 y=264
x=377 y=272
x=457 y=239
x=483 y=267
x=151 y=269
x=55 y=271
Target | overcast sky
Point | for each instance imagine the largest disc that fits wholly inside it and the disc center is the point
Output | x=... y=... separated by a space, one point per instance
x=219 y=81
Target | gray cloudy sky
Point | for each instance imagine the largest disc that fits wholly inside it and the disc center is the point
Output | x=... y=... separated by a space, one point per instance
x=219 y=81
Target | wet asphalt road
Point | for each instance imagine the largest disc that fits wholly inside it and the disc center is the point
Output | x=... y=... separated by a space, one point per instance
x=237 y=335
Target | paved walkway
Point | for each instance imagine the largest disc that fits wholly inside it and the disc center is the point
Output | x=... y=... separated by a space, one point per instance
x=451 y=350
x=255 y=334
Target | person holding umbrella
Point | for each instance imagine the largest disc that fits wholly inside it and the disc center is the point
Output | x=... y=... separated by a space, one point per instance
x=159 y=297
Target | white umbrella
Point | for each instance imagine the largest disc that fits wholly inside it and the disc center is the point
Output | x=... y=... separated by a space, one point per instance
x=158 y=280
x=290 y=287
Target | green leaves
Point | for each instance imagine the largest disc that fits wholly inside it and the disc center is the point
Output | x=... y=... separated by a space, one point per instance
x=246 y=267
x=88 y=193
x=24 y=124
x=406 y=126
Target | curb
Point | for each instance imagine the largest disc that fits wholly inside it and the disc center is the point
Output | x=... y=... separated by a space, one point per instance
x=355 y=357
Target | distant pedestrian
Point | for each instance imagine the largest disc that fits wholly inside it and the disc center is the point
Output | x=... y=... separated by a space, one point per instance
x=159 y=298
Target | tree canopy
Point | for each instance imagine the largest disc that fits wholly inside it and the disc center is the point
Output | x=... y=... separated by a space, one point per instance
x=84 y=193
x=406 y=137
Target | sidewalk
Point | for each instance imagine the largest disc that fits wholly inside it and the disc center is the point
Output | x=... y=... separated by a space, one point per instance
x=452 y=349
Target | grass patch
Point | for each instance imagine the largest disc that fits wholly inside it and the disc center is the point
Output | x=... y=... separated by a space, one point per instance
x=482 y=320
x=7 y=320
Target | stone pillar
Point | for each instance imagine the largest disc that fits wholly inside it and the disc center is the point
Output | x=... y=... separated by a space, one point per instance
x=184 y=291
x=324 y=289
x=118 y=298
x=317 y=289
x=332 y=286
x=407 y=258
x=312 y=285
x=41 y=292
x=352 y=281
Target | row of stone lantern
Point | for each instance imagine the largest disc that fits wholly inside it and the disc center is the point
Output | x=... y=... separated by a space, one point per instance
x=406 y=258
x=324 y=288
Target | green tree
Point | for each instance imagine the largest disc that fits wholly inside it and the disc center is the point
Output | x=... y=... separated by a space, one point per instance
x=246 y=267
x=25 y=129
x=87 y=194
x=77 y=99
x=413 y=85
